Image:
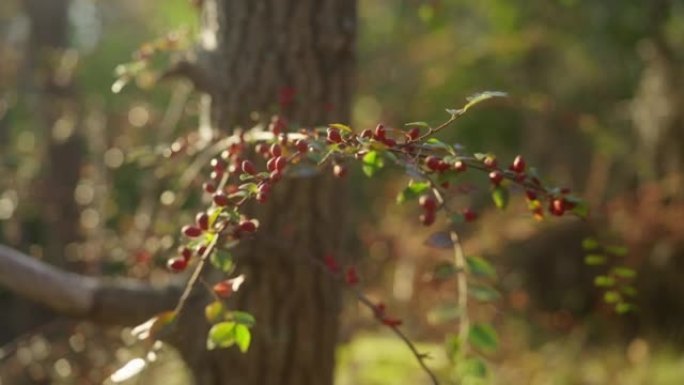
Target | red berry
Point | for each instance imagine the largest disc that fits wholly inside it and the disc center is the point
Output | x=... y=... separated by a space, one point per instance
x=366 y=134
x=262 y=197
x=469 y=215
x=191 y=231
x=389 y=142
x=427 y=218
x=520 y=177
x=275 y=176
x=350 y=276
x=442 y=166
x=302 y=146
x=496 y=177
x=276 y=150
x=519 y=164
x=490 y=161
x=413 y=133
x=223 y=289
x=331 y=263
x=427 y=202
x=221 y=199
x=339 y=171
x=531 y=195
x=185 y=252
x=209 y=187
x=216 y=175
x=248 y=226
x=261 y=148
x=202 y=220
x=177 y=264
x=280 y=163
x=270 y=165
x=217 y=164
x=334 y=135
x=557 y=207
x=380 y=132
x=201 y=250
x=248 y=167
x=460 y=166
x=433 y=163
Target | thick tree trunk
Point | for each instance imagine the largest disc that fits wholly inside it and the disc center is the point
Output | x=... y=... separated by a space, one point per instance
x=260 y=50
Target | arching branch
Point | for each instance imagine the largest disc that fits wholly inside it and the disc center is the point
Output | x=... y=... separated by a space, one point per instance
x=117 y=301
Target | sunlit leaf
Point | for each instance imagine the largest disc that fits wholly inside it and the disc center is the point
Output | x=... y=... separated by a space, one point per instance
x=372 y=162
x=243 y=337
x=500 y=197
x=480 y=267
x=595 y=259
x=604 y=281
x=478 y=98
x=131 y=369
x=473 y=367
x=618 y=251
x=221 y=335
x=483 y=336
x=342 y=127
x=214 y=311
x=590 y=244
x=624 y=272
x=483 y=293
x=612 y=296
x=418 y=124
x=413 y=191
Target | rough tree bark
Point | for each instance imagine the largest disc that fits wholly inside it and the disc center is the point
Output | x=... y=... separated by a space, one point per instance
x=251 y=52
x=257 y=50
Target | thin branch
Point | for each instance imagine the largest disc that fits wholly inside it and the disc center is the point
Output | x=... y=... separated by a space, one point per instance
x=462 y=277
x=363 y=299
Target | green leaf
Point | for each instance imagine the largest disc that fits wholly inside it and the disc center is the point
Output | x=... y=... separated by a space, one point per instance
x=629 y=290
x=612 y=296
x=480 y=267
x=222 y=260
x=624 y=272
x=604 y=281
x=444 y=271
x=624 y=307
x=243 y=318
x=618 y=251
x=444 y=313
x=473 y=367
x=342 y=127
x=221 y=335
x=473 y=100
x=595 y=259
x=214 y=311
x=413 y=191
x=372 y=163
x=581 y=209
x=590 y=244
x=438 y=144
x=483 y=293
x=243 y=337
x=453 y=346
x=483 y=336
x=500 y=197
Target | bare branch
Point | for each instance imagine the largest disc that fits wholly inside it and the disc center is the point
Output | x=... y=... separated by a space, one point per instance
x=117 y=301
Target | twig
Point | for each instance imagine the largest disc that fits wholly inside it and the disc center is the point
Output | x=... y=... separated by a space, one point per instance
x=363 y=299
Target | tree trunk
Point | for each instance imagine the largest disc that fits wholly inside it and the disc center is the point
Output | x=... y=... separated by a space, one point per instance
x=260 y=51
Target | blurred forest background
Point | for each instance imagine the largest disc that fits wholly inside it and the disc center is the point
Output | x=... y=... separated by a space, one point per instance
x=596 y=102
